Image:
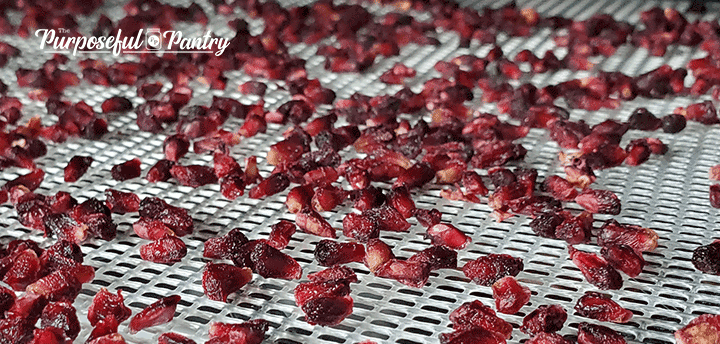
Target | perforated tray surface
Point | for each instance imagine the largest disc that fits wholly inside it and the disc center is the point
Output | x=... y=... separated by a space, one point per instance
x=668 y=194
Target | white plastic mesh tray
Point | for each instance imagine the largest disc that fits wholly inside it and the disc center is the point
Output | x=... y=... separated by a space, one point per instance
x=668 y=193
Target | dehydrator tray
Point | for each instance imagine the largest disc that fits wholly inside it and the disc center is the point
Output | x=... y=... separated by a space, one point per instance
x=668 y=194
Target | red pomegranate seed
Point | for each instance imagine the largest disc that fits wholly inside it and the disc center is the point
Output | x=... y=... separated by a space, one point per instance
x=489 y=269
x=269 y=262
x=226 y=246
x=166 y=250
x=62 y=316
x=277 y=182
x=149 y=90
x=703 y=329
x=639 y=238
x=159 y=312
x=298 y=198
x=151 y=229
x=290 y=149
x=25 y=270
x=548 y=338
x=437 y=257
x=416 y=176
x=105 y=305
x=397 y=74
x=638 y=151
x=121 y=202
x=31 y=180
x=309 y=221
x=127 y=170
x=250 y=332
x=509 y=295
x=175 y=147
x=113 y=338
x=471 y=335
x=253 y=87
x=377 y=253
x=446 y=234
x=560 y=188
x=413 y=274
x=673 y=123
x=280 y=234
x=623 y=258
x=329 y=253
x=600 y=307
x=714 y=173
x=48 y=335
x=473 y=183
x=546 y=224
x=598 y=334
x=427 y=218
x=7 y=299
x=327 y=197
x=175 y=218
x=160 y=172
x=544 y=319
x=174 y=338
x=320 y=176
x=28 y=307
x=596 y=270
x=193 y=175
x=77 y=167
x=715 y=195
x=360 y=227
x=221 y=280
x=387 y=219
x=65 y=228
x=476 y=315
x=706 y=258
x=116 y=104
x=325 y=299
x=599 y=201
x=642 y=119
x=367 y=198
x=400 y=199
x=64 y=284
x=576 y=230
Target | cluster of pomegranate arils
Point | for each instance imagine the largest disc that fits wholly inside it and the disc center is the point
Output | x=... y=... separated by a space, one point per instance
x=450 y=149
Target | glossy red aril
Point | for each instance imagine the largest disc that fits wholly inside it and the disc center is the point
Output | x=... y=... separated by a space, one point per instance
x=121 y=202
x=116 y=104
x=642 y=119
x=193 y=175
x=437 y=257
x=329 y=253
x=576 y=230
x=273 y=184
x=106 y=304
x=560 y=188
x=411 y=273
x=280 y=234
x=77 y=167
x=221 y=280
x=175 y=218
x=61 y=315
x=377 y=253
x=174 y=338
x=166 y=250
x=249 y=332
x=544 y=319
x=598 y=334
x=327 y=197
x=715 y=195
x=706 y=258
x=471 y=335
x=600 y=307
x=447 y=235
x=25 y=269
x=309 y=221
x=701 y=330
x=269 y=262
x=160 y=172
x=639 y=238
x=226 y=246
x=548 y=338
x=489 y=269
x=387 y=219
x=175 y=147
x=475 y=314
x=151 y=229
x=509 y=295
x=157 y=313
x=126 y=170
x=673 y=123
x=596 y=270
x=599 y=201
x=623 y=258
x=325 y=301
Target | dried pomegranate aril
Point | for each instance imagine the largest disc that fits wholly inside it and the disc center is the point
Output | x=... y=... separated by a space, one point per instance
x=638 y=151
x=599 y=201
x=48 y=335
x=448 y=235
x=159 y=312
x=475 y=314
x=193 y=175
x=65 y=228
x=175 y=147
x=16 y=330
x=105 y=305
x=25 y=269
x=175 y=218
x=271 y=185
x=471 y=335
x=31 y=180
x=413 y=274
x=226 y=246
x=174 y=338
x=715 y=195
x=116 y=104
x=560 y=188
x=703 y=329
x=600 y=307
x=249 y=332
x=673 y=123
x=269 y=262
x=126 y=170
x=546 y=223
x=121 y=202
x=596 y=270
x=489 y=269
x=509 y=295
x=639 y=238
x=325 y=299
x=77 y=167
x=327 y=197
x=64 y=284
x=706 y=258
x=329 y=253
x=309 y=221
x=28 y=307
x=438 y=257
x=642 y=119
x=280 y=234
x=598 y=334
x=377 y=253
x=416 y=176
x=623 y=258
x=7 y=299
x=544 y=319
x=428 y=218
x=387 y=219
x=548 y=338
x=221 y=280
x=166 y=250
x=160 y=172
x=113 y=338
x=61 y=315
x=151 y=229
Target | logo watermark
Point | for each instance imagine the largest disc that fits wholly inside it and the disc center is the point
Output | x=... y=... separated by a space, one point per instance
x=149 y=41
